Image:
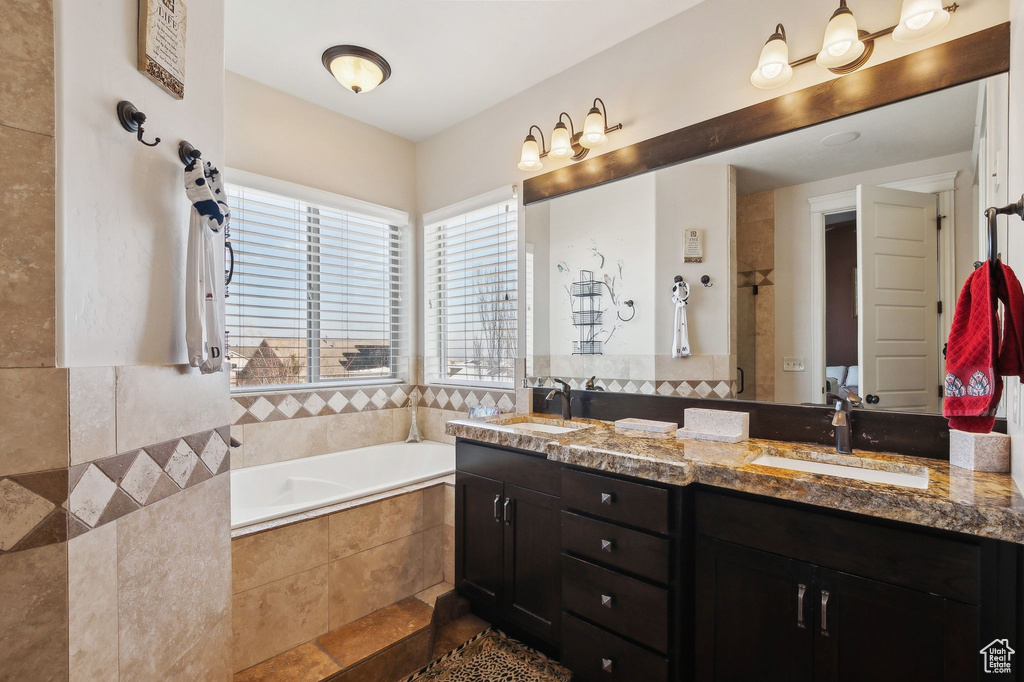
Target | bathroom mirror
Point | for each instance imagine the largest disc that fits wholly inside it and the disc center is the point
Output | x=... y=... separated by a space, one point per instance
x=826 y=257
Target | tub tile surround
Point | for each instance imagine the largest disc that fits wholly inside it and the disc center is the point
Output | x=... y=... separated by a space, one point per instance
x=293 y=583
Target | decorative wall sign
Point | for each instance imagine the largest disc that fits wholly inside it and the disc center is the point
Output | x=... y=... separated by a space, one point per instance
x=162 y=44
x=693 y=246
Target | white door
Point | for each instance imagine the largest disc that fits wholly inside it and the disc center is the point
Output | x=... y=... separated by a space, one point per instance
x=897 y=253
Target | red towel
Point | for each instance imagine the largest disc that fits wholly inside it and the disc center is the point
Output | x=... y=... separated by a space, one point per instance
x=976 y=361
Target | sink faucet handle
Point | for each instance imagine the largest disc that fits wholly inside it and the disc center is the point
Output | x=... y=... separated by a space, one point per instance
x=564 y=384
x=849 y=396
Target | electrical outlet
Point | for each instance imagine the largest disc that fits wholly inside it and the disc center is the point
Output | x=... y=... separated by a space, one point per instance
x=792 y=364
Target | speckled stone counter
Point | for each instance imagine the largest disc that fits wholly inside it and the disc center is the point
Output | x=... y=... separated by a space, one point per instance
x=983 y=504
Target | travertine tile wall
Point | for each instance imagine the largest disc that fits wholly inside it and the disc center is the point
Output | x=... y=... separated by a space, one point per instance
x=33 y=392
x=297 y=582
x=755 y=255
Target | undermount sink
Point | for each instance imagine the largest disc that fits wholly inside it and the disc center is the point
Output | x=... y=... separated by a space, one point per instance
x=545 y=428
x=908 y=479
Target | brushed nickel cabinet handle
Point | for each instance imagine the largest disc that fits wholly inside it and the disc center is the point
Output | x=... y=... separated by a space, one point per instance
x=801 y=590
x=497 y=508
x=606 y=545
x=824 y=612
x=607 y=664
x=607 y=498
x=606 y=601
x=508 y=511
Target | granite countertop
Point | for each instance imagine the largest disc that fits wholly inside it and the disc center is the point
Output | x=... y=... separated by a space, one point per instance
x=983 y=504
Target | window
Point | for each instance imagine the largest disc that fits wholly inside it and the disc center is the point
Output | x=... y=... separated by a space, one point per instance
x=471 y=296
x=316 y=293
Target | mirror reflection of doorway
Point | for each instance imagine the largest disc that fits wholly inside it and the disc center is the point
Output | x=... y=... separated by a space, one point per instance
x=841 y=336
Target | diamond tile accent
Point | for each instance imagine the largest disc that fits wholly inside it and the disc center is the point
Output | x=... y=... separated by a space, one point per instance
x=472 y=400
x=214 y=453
x=456 y=400
x=505 y=404
x=237 y=411
x=141 y=478
x=180 y=466
x=21 y=510
x=337 y=402
x=261 y=409
x=665 y=388
x=703 y=390
x=379 y=398
x=722 y=389
x=398 y=397
x=314 y=403
x=289 y=406
x=89 y=498
x=442 y=399
x=359 y=400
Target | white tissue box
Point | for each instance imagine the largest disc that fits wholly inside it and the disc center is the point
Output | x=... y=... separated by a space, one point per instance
x=979 y=451
x=718 y=425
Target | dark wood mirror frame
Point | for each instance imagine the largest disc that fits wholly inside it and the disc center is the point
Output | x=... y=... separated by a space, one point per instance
x=972 y=57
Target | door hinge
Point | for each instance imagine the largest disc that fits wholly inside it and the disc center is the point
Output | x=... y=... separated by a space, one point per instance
x=938 y=222
x=941 y=392
x=939 y=306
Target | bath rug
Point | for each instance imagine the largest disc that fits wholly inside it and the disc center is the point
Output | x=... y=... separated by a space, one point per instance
x=492 y=656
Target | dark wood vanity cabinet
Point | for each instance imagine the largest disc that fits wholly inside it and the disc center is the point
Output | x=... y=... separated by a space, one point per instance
x=507 y=538
x=788 y=594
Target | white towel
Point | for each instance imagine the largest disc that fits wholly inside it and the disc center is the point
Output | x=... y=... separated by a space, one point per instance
x=204 y=276
x=680 y=335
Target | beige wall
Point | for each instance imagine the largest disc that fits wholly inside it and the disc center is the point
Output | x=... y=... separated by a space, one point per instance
x=792 y=257
x=1015 y=249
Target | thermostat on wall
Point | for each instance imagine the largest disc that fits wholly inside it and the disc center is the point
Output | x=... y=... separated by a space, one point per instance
x=693 y=246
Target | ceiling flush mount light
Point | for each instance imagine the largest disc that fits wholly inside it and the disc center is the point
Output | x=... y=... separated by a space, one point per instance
x=842 y=49
x=845 y=47
x=358 y=69
x=566 y=143
x=773 y=67
x=919 y=19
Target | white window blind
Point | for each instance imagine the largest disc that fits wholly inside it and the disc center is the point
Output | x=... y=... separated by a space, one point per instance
x=316 y=293
x=471 y=296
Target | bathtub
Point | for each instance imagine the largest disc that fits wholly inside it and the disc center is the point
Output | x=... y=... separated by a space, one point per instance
x=270 y=491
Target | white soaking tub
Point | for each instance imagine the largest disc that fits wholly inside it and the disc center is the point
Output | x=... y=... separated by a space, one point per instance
x=270 y=491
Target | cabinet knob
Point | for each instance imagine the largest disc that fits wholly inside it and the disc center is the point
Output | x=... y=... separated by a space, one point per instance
x=606 y=545
x=607 y=498
x=607 y=664
x=606 y=601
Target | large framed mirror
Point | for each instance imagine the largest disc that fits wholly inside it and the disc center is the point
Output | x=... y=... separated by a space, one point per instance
x=826 y=257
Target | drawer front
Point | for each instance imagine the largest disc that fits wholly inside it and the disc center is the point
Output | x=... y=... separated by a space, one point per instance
x=624 y=605
x=593 y=654
x=627 y=550
x=526 y=470
x=638 y=505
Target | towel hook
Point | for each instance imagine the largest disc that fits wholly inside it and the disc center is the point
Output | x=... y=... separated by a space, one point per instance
x=1017 y=209
x=187 y=153
x=132 y=119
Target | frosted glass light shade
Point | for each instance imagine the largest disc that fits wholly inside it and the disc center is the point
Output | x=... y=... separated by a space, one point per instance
x=919 y=19
x=842 y=44
x=561 y=143
x=356 y=68
x=593 y=130
x=773 y=67
x=530 y=158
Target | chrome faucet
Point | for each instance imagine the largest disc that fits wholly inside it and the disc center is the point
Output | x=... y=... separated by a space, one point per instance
x=565 y=393
x=846 y=400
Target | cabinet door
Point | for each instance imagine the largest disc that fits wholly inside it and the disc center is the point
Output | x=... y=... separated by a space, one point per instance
x=754 y=615
x=532 y=587
x=478 y=540
x=867 y=630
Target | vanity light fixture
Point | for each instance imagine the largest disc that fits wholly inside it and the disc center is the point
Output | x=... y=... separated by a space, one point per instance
x=356 y=68
x=919 y=19
x=566 y=143
x=846 y=47
x=773 y=67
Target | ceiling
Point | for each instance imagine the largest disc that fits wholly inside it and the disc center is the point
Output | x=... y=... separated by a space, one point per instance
x=926 y=127
x=450 y=59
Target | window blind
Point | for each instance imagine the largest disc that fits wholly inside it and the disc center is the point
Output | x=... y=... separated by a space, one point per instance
x=316 y=293
x=471 y=296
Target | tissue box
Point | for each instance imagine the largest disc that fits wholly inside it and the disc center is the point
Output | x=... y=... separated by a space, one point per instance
x=719 y=425
x=979 y=451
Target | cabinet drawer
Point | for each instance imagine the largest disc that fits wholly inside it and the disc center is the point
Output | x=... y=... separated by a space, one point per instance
x=594 y=654
x=638 y=505
x=628 y=550
x=526 y=470
x=624 y=605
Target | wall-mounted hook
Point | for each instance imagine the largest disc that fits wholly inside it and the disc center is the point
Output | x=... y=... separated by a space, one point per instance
x=628 y=304
x=187 y=153
x=706 y=281
x=132 y=119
